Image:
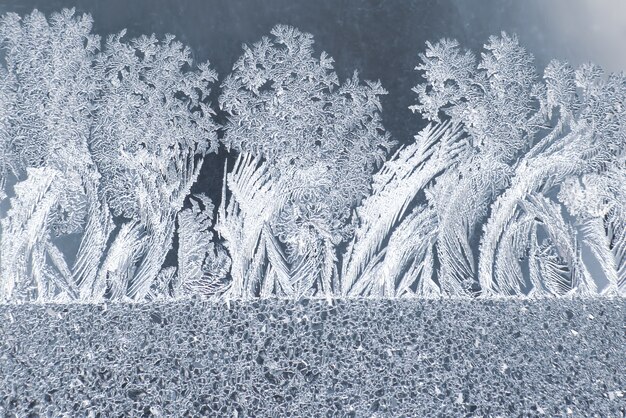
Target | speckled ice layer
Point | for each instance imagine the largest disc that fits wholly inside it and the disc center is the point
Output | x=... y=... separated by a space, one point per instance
x=288 y=358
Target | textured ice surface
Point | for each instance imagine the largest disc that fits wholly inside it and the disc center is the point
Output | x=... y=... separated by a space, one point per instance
x=308 y=358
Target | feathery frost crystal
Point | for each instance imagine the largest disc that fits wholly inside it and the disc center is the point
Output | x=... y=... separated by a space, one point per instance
x=99 y=147
x=517 y=186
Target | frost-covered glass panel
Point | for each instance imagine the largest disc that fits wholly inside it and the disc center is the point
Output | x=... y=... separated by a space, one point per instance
x=294 y=236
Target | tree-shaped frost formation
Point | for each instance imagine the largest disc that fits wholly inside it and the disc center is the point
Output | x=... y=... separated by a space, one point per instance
x=516 y=187
x=105 y=145
x=319 y=141
x=502 y=211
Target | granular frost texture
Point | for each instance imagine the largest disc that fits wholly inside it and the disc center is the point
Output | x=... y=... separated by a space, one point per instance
x=308 y=358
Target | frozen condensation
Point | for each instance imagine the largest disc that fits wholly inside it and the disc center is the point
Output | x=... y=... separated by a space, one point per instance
x=372 y=358
x=516 y=187
x=339 y=274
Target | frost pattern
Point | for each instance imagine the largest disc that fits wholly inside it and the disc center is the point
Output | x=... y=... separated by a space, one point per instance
x=102 y=145
x=309 y=358
x=516 y=187
x=317 y=143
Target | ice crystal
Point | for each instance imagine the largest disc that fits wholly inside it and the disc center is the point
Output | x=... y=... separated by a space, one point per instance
x=491 y=217
x=515 y=187
x=104 y=142
x=319 y=140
